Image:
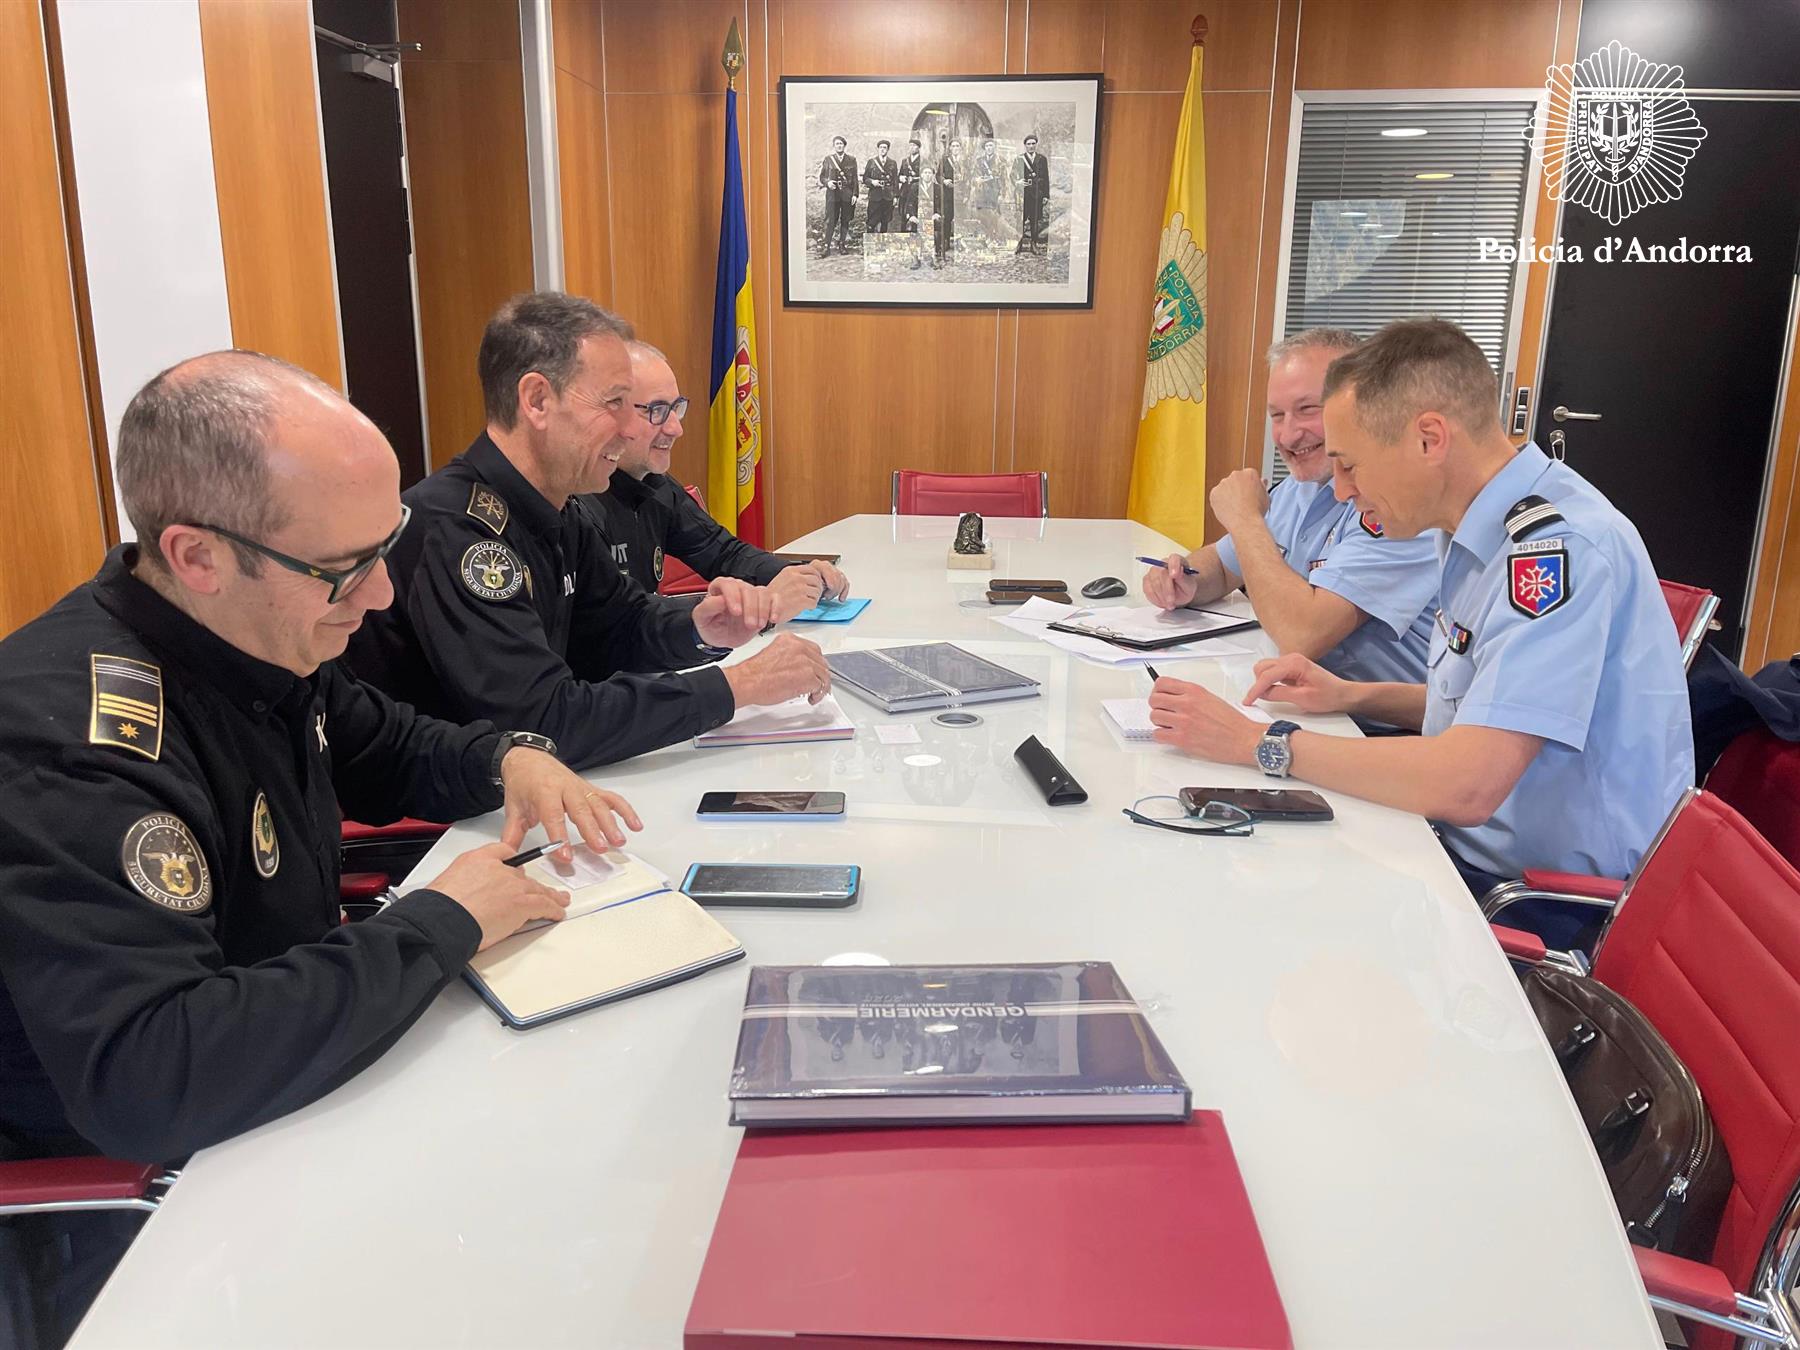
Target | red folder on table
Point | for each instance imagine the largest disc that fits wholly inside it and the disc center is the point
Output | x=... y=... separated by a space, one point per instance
x=987 y=1236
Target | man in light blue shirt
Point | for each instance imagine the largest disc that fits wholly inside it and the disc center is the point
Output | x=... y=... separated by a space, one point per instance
x=1326 y=580
x=1554 y=709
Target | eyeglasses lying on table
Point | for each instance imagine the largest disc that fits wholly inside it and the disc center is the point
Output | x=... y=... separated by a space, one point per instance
x=1166 y=812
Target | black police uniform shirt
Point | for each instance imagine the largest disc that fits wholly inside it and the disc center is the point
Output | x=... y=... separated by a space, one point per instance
x=645 y=521
x=510 y=609
x=172 y=967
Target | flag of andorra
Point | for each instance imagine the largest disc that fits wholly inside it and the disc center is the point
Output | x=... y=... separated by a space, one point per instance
x=734 y=437
x=1168 y=472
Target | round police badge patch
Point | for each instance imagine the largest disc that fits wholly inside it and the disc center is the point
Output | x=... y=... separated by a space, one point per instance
x=265 y=848
x=656 y=564
x=491 y=572
x=163 y=862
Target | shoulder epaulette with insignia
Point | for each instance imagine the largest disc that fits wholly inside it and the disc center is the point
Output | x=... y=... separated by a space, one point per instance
x=489 y=507
x=127 y=709
x=1526 y=514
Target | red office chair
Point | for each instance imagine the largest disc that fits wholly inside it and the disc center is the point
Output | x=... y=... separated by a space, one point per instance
x=1759 y=775
x=1705 y=941
x=678 y=578
x=1692 y=609
x=375 y=857
x=917 y=493
x=47 y=1185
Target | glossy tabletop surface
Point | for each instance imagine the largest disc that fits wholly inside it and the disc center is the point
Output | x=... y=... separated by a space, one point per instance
x=1416 y=1167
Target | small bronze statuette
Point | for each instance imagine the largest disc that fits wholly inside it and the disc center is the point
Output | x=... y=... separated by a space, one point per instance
x=968 y=534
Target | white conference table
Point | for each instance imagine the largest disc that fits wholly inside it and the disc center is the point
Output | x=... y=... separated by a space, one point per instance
x=1417 y=1169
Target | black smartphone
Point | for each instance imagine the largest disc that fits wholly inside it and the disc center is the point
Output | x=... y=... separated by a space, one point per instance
x=796 y=805
x=786 y=885
x=1260 y=803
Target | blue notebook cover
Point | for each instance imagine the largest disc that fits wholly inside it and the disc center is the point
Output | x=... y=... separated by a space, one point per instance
x=831 y=611
x=886 y=1045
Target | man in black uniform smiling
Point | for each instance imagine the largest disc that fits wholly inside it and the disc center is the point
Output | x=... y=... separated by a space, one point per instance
x=508 y=605
x=177 y=743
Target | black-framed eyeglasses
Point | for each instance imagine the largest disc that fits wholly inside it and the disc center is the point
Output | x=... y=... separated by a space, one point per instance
x=1212 y=817
x=342 y=582
x=658 y=412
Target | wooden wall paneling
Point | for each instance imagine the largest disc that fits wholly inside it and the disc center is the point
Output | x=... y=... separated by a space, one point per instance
x=671 y=47
x=1268 y=263
x=1773 y=630
x=1081 y=373
x=1006 y=321
x=1416 y=44
x=917 y=37
x=1149 y=42
x=49 y=497
x=586 y=210
x=465 y=124
x=1541 y=224
x=274 y=220
x=1050 y=37
x=577 y=44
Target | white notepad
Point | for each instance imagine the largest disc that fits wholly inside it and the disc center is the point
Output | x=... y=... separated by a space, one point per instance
x=613 y=948
x=778 y=723
x=1131 y=717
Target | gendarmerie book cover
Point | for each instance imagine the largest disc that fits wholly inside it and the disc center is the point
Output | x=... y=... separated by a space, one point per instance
x=889 y=1045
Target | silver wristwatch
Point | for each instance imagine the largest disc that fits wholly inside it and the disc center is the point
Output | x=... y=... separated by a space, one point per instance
x=1274 y=756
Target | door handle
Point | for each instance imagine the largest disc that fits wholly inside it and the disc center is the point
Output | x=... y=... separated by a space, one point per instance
x=1562 y=414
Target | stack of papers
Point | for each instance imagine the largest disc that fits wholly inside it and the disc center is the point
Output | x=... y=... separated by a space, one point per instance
x=779 y=723
x=1037 y=614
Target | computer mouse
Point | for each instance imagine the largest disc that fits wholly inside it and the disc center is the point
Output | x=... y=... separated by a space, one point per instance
x=1104 y=588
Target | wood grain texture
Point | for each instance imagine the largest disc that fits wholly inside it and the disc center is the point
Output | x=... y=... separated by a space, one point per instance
x=673 y=47
x=1773 y=630
x=465 y=124
x=49 y=499
x=274 y=220
x=577 y=42
x=1425 y=44
x=1149 y=42
x=581 y=155
x=1055 y=36
x=913 y=37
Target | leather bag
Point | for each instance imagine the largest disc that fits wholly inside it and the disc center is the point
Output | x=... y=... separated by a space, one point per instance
x=1643 y=1110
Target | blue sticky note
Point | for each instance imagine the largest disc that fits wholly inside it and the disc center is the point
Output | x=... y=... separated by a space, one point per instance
x=832 y=611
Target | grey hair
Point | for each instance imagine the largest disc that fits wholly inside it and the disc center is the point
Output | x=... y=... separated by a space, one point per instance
x=193 y=449
x=1314 y=339
x=638 y=347
x=1414 y=366
x=539 y=332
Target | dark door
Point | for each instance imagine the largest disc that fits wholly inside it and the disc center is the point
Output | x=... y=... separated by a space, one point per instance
x=365 y=170
x=1682 y=361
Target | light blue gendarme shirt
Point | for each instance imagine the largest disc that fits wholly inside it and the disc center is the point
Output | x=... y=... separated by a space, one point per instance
x=1568 y=638
x=1393 y=581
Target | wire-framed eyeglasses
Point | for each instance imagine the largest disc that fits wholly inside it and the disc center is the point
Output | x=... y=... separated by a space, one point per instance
x=342 y=581
x=658 y=412
x=1165 y=812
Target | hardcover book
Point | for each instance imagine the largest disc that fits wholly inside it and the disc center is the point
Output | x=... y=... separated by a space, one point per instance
x=886 y=1045
x=926 y=675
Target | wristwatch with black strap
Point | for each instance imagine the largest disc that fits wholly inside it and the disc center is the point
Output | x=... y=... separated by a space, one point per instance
x=508 y=739
x=1274 y=756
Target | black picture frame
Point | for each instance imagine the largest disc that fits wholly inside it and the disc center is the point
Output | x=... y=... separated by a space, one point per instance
x=982 y=259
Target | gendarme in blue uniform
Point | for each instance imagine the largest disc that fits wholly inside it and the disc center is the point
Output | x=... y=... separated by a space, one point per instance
x=1553 y=624
x=1393 y=581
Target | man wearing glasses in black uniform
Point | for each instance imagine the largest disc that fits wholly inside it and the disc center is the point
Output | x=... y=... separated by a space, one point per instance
x=647 y=517
x=177 y=741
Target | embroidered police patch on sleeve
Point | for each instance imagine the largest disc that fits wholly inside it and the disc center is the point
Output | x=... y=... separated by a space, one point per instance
x=656 y=565
x=1540 y=581
x=491 y=572
x=488 y=507
x=265 y=848
x=163 y=862
x=1370 y=525
x=127 y=709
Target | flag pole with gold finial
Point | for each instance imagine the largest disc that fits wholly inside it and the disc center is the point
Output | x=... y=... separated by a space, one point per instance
x=734 y=426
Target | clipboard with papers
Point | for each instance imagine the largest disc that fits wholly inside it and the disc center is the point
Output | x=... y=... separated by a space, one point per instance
x=1133 y=631
x=626 y=933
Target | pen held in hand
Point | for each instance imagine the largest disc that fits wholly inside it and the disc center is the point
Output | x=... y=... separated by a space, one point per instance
x=1150 y=670
x=1158 y=562
x=529 y=855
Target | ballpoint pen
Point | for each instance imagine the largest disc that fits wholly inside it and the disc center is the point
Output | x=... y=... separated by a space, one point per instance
x=1150 y=670
x=1158 y=562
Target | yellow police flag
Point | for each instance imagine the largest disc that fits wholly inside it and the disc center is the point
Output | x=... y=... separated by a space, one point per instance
x=1168 y=472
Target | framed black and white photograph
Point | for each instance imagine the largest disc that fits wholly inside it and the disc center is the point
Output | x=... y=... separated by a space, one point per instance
x=963 y=191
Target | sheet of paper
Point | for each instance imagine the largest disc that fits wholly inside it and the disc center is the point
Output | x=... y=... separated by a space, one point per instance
x=794 y=720
x=897 y=733
x=1035 y=615
x=1132 y=716
x=596 y=880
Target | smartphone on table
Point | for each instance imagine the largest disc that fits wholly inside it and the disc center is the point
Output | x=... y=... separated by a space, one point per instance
x=792 y=805
x=1260 y=803
x=782 y=885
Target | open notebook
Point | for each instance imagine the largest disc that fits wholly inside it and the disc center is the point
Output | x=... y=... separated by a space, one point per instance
x=626 y=933
x=1131 y=717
